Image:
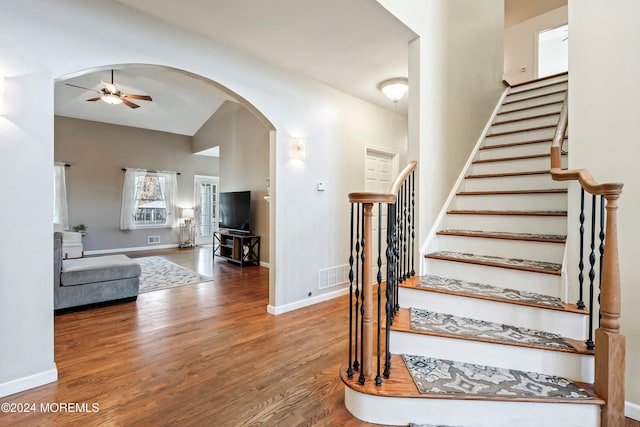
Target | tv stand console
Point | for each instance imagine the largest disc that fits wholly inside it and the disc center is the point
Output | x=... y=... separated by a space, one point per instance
x=238 y=248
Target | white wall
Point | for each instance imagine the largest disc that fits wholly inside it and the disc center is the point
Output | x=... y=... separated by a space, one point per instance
x=455 y=75
x=603 y=122
x=520 y=44
x=63 y=37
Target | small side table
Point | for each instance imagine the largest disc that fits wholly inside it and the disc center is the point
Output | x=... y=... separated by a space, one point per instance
x=187 y=235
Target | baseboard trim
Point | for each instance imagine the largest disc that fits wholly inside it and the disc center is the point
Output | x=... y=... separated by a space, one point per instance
x=632 y=410
x=28 y=382
x=285 y=308
x=134 y=249
x=265 y=264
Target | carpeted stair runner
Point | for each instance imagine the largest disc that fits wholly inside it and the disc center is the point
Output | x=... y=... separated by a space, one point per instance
x=464 y=327
x=438 y=376
x=438 y=283
x=520 y=264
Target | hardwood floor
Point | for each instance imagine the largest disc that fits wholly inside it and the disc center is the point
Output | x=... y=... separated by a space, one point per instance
x=205 y=354
x=198 y=355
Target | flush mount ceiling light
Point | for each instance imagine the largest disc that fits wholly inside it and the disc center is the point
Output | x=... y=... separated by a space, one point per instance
x=394 y=89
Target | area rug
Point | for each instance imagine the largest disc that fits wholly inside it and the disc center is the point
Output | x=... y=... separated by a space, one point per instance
x=461 y=286
x=158 y=273
x=430 y=321
x=455 y=378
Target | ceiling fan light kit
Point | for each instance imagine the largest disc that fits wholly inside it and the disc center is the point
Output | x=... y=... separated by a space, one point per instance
x=112 y=96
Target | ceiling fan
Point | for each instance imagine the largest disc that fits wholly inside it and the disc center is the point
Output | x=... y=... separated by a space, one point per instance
x=111 y=95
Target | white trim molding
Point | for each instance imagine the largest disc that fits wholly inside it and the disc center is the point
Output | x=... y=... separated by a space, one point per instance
x=285 y=308
x=31 y=381
x=265 y=264
x=632 y=410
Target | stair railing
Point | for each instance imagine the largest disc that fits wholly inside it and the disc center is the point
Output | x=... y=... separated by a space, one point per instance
x=398 y=246
x=609 y=344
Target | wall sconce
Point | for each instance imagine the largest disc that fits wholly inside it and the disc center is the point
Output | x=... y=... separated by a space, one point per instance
x=187 y=214
x=394 y=89
x=1 y=95
x=298 y=148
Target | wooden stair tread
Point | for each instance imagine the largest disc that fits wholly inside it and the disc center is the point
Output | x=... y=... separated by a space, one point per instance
x=507 y=296
x=510 y=192
x=552 y=76
x=507 y=174
x=516 y=213
x=515 y=144
x=515 y=110
x=524 y=119
x=508 y=159
x=510 y=132
x=527 y=237
x=402 y=323
x=499 y=262
x=507 y=102
x=400 y=384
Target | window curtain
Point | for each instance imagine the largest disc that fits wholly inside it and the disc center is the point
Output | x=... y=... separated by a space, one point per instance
x=130 y=192
x=60 y=210
x=169 y=188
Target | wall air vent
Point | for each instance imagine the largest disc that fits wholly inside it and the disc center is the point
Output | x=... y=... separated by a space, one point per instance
x=153 y=239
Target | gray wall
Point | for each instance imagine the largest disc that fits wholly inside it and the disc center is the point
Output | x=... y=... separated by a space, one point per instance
x=244 y=160
x=97 y=153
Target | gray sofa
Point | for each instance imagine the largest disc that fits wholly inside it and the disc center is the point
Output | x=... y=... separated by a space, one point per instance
x=85 y=281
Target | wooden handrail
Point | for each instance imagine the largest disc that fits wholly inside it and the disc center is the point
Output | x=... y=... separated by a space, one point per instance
x=582 y=175
x=610 y=344
x=390 y=197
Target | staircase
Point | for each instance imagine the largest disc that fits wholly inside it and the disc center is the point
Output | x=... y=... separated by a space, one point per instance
x=488 y=333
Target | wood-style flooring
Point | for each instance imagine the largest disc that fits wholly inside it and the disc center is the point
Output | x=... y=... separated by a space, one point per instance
x=204 y=355
x=198 y=355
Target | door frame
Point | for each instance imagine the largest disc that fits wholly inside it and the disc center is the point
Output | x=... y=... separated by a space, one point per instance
x=212 y=179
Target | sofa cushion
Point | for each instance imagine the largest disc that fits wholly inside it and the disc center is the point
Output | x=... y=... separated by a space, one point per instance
x=99 y=269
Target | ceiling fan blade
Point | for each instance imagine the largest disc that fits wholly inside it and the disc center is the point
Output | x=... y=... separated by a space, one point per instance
x=140 y=97
x=97 y=98
x=129 y=103
x=110 y=86
x=85 y=88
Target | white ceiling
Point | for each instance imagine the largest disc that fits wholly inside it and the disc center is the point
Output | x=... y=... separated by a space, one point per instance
x=350 y=45
x=181 y=103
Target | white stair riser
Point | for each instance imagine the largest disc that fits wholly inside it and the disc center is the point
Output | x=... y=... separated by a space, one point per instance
x=541 y=251
x=508 y=223
x=545 y=109
x=540 y=83
x=525 y=124
x=530 y=182
x=576 y=367
x=530 y=135
x=545 y=202
x=519 y=94
x=515 y=150
x=564 y=323
x=476 y=413
x=535 y=102
x=541 y=283
x=507 y=166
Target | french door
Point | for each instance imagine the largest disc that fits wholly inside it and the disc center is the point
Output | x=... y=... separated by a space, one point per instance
x=206 y=208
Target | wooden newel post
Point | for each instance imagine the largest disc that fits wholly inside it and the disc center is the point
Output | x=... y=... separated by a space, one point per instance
x=610 y=344
x=367 y=286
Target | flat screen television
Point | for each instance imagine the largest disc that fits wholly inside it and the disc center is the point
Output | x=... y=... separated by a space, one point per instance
x=235 y=211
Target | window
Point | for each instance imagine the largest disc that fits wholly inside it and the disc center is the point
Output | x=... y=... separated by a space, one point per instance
x=553 y=51
x=148 y=199
x=60 y=213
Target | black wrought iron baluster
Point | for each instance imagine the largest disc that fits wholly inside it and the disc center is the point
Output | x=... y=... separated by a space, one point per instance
x=362 y=258
x=405 y=270
x=389 y=290
x=379 y=280
x=396 y=249
x=349 y=365
x=580 y=302
x=413 y=223
x=356 y=364
x=592 y=272
x=399 y=234
x=602 y=237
